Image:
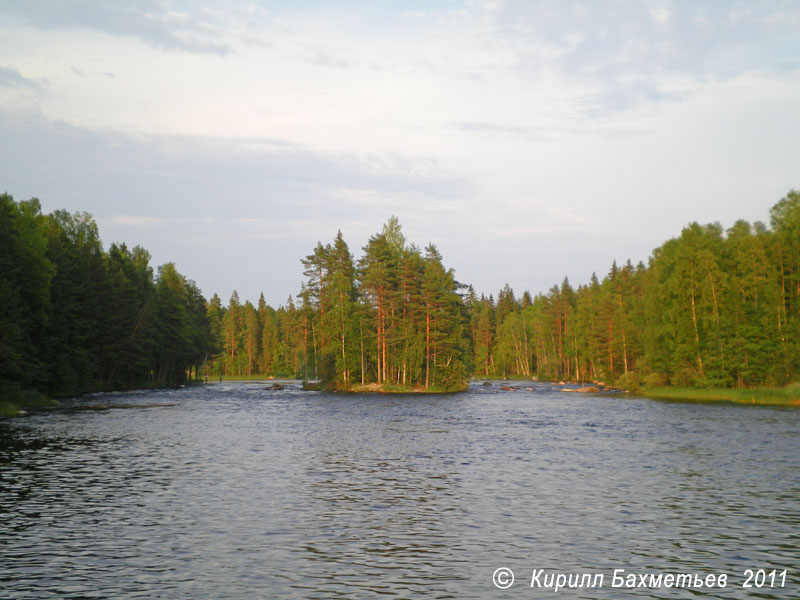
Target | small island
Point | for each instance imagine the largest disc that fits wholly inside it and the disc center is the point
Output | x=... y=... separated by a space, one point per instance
x=391 y=322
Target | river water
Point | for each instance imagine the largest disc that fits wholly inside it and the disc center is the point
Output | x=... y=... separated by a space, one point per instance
x=232 y=490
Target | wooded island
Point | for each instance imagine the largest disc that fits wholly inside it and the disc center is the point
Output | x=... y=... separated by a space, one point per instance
x=712 y=308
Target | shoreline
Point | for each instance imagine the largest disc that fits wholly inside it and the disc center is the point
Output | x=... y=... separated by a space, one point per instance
x=789 y=396
x=786 y=396
x=29 y=401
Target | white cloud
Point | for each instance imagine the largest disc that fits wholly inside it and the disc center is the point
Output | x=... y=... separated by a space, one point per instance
x=12 y=78
x=660 y=15
x=512 y=232
x=137 y=221
x=149 y=20
x=599 y=126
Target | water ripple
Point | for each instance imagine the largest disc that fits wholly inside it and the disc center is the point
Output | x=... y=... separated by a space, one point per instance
x=242 y=491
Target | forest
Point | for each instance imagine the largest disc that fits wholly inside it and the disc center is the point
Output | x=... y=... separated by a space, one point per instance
x=75 y=318
x=396 y=317
x=712 y=307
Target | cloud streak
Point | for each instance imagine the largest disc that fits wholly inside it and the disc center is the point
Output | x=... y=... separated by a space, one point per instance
x=627 y=49
x=11 y=78
x=148 y=20
x=216 y=195
x=232 y=138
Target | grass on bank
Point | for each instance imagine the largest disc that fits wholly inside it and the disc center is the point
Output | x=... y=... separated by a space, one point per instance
x=785 y=396
x=11 y=404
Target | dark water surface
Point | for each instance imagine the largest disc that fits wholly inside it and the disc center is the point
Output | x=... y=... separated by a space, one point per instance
x=236 y=491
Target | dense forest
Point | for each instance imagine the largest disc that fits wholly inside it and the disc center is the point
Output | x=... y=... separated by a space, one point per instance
x=395 y=317
x=75 y=319
x=712 y=308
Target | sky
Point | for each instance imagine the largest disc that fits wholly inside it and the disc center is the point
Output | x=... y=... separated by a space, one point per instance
x=529 y=140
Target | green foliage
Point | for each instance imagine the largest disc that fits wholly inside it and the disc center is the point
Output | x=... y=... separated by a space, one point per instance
x=395 y=319
x=25 y=277
x=654 y=380
x=10 y=406
x=713 y=309
x=8 y=409
x=629 y=381
x=786 y=396
x=74 y=318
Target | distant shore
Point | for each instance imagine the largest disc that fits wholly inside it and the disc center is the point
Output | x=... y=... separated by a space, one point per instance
x=777 y=396
x=23 y=401
x=768 y=396
x=785 y=396
x=379 y=388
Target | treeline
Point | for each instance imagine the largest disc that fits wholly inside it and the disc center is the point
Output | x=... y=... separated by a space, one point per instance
x=393 y=318
x=712 y=308
x=74 y=318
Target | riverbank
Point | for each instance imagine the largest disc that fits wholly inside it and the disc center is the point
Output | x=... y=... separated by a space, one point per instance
x=21 y=401
x=785 y=396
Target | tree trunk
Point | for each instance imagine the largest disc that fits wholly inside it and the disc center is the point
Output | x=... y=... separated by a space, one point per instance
x=427 y=348
x=486 y=357
x=361 y=338
x=314 y=341
x=696 y=333
x=624 y=352
x=305 y=349
x=378 y=337
x=345 y=374
x=611 y=345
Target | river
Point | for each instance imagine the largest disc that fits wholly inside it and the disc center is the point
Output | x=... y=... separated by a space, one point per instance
x=234 y=490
